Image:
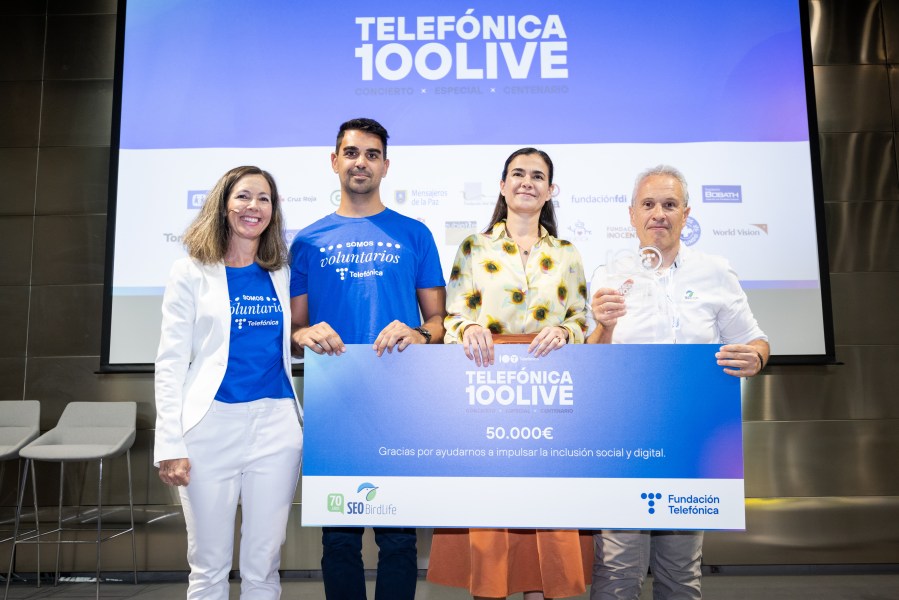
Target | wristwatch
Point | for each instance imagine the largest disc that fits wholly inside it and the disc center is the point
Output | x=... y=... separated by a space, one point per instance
x=425 y=333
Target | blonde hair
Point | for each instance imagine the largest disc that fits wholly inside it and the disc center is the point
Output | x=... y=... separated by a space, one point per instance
x=207 y=238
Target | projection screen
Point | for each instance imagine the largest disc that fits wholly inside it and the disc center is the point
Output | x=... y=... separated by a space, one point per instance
x=721 y=90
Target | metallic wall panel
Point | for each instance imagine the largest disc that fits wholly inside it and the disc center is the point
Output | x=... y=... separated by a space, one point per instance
x=56 y=381
x=860 y=236
x=863 y=387
x=15 y=248
x=69 y=249
x=890 y=10
x=65 y=320
x=864 y=306
x=894 y=93
x=76 y=113
x=80 y=47
x=25 y=33
x=20 y=103
x=821 y=458
x=72 y=180
x=17 y=171
x=852 y=98
x=859 y=166
x=82 y=7
x=846 y=32
x=12 y=378
x=13 y=320
x=810 y=531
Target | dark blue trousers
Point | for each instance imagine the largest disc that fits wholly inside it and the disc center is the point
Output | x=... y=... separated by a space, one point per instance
x=342 y=563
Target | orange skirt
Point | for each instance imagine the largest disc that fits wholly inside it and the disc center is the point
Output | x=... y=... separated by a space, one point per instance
x=498 y=562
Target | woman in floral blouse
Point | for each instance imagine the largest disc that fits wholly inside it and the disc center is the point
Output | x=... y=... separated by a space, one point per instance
x=516 y=278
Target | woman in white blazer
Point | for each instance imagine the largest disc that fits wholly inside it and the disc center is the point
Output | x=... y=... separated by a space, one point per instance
x=228 y=424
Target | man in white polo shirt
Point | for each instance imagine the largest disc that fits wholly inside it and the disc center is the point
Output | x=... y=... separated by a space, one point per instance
x=686 y=298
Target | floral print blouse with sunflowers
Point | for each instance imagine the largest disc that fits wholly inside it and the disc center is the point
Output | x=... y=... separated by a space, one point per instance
x=489 y=286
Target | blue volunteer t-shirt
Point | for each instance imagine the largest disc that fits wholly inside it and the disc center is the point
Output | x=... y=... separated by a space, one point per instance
x=255 y=355
x=362 y=273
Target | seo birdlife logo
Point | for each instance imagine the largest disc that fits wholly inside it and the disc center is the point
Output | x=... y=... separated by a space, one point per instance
x=361 y=503
x=370 y=489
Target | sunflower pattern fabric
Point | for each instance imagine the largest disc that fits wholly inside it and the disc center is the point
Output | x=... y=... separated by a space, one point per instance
x=489 y=286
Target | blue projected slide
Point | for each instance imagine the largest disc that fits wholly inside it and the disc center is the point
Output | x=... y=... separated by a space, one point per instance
x=607 y=88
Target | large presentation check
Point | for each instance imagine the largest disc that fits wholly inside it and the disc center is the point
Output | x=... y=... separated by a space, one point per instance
x=591 y=436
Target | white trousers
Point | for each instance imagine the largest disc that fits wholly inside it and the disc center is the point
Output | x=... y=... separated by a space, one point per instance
x=252 y=452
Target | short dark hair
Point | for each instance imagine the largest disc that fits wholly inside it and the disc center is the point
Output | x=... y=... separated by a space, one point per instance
x=547 y=213
x=366 y=125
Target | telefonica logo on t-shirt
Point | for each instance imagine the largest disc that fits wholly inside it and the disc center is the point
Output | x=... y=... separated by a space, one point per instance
x=722 y=193
x=369 y=254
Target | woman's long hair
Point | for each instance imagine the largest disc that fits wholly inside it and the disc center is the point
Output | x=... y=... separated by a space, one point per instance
x=207 y=238
x=547 y=213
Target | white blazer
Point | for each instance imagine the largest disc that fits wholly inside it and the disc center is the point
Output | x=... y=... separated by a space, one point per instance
x=193 y=349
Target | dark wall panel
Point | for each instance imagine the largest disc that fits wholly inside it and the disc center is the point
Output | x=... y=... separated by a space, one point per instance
x=20 y=111
x=846 y=32
x=14 y=319
x=864 y=307
x=25 y=33
x=15 y=248
x=859 y=236
x=65 y=321
x=891 y=30
x=12 y=378
x=861 y=387
x=18 y=167
x=821 y=458
x=76 y=113
x=859 y=167
x=69 y=249
x=73 y=180
x=81 y=7
x=853 y=98
x=80 y=47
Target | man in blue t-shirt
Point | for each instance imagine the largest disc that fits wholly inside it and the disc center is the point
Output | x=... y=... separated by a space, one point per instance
x=365 y=275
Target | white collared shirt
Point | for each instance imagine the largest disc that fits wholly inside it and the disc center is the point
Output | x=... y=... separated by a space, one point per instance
x=698 y=300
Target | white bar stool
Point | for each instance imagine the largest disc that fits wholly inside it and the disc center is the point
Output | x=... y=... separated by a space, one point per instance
x=86 y=431
x=20 y=423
